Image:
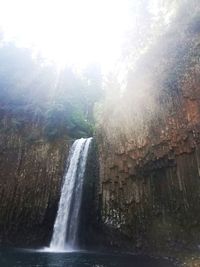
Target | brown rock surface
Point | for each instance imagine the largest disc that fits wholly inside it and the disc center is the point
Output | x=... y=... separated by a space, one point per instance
x=150 y=178
x=31 y=169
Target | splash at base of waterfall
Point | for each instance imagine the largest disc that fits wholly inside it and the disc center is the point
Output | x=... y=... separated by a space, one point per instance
x=58 y=250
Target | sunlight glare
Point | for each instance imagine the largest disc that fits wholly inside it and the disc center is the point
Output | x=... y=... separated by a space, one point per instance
x=67 y=31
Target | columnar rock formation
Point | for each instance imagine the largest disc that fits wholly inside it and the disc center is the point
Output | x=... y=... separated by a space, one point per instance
x=150 y=175
x=31 y=169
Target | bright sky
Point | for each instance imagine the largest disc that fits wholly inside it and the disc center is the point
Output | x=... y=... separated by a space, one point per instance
x=68 y=31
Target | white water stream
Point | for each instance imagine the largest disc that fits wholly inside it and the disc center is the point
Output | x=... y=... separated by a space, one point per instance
x=67 y=220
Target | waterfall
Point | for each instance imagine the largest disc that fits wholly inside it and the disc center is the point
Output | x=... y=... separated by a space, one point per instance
x=67 y=220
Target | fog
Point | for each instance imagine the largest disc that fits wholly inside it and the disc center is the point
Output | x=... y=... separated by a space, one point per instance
x=137 y=93
x=145 y=86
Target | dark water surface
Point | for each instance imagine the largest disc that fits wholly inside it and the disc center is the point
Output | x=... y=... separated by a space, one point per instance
x=31 y=258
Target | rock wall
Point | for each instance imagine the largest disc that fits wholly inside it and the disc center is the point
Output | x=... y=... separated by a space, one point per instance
x=150 y=182
x=31 y=169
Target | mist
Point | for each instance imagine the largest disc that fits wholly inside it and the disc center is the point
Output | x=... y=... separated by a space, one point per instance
x=143 y=89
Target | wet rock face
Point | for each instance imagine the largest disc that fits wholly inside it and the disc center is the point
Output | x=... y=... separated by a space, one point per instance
x=150 y=184
x=31 y=169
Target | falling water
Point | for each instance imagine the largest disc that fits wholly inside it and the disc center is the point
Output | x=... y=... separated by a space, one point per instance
x=67 y=220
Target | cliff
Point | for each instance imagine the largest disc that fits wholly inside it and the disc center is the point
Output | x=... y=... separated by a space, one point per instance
x=150 y=154
x=31 y=169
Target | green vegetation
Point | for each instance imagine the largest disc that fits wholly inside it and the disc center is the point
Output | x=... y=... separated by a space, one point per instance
x=31 y=88
x=65 y=118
